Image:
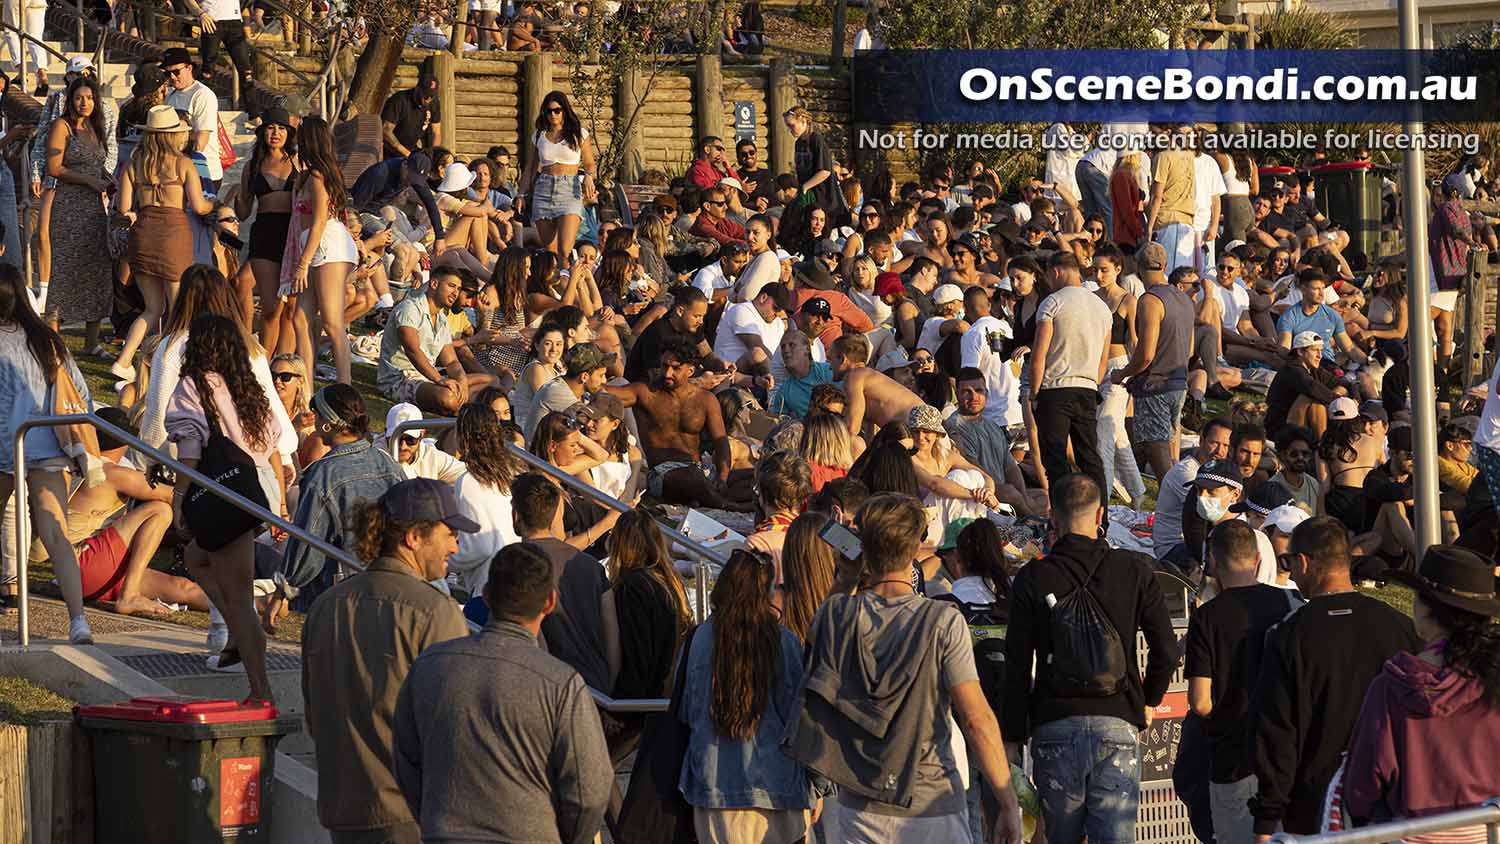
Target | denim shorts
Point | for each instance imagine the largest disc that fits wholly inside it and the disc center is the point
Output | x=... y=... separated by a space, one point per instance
x=556 y=196
x=1156 y=416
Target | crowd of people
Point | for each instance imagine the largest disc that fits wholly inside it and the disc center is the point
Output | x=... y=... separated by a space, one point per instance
x=933 y=405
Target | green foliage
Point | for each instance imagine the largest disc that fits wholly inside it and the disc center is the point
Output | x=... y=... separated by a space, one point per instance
x=817 y=13
x=1304 y=29
x=607 y=51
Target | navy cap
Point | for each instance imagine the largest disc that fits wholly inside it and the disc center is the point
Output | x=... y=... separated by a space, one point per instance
x=426 y=500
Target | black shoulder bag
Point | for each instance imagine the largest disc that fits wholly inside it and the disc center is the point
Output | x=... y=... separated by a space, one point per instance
x=212 y=521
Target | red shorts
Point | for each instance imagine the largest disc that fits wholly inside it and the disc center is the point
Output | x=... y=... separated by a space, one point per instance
x=102 y=559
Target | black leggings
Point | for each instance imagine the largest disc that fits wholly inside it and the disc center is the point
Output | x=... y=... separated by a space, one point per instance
x=232 y=33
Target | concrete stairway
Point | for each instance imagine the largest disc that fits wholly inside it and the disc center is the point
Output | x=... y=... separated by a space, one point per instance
x=116 y=77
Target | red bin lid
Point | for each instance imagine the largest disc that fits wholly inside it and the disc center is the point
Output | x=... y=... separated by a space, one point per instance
x=1342 y=165
x=1276 y=170
x=178 y=709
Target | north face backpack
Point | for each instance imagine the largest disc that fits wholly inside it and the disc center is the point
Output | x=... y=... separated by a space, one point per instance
x=1088 y=658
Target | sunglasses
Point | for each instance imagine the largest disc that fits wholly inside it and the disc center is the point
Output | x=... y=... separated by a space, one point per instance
x=1228 y=267
x=554 y=110
x=1095 y=231
x=407 y=439
x=714 y=202
x=286 y=377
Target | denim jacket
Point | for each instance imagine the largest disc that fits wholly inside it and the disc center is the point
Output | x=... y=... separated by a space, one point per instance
x=724 y=773
x=332 y=489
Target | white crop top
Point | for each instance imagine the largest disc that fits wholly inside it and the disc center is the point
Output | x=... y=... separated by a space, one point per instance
x=549 y=153
x=1233 y=184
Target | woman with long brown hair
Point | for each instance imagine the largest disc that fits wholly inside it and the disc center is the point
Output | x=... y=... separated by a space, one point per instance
x=34 y=355
x=321 y=254
x=76 y=152
x=651 y=606
x=267 y=183
x=219 y=391
x=559 y=177
x=156 y=190
x=743 y=672
x=502 y=311
x=807 y=567
x=483 y=493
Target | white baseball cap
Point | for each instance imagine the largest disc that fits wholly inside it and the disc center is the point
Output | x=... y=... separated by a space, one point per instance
x=403 y=412
x=731 y=182
x=947 y=293
x=1307 y=339
x=79 y=64
x=1285 y=518
x=1343 y=408
x=783 y=255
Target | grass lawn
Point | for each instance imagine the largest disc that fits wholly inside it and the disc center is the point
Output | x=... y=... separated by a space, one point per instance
x=24 y=702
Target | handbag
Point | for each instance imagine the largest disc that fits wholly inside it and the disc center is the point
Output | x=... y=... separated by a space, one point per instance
x=212 y=521
x=654 y=810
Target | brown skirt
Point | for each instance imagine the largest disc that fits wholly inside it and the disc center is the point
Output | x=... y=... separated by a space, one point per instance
x=160 y=243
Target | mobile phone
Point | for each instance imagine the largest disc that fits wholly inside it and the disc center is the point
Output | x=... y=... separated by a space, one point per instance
x=841 y=538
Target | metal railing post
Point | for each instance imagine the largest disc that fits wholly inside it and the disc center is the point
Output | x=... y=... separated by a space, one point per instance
x=704 y=554
x=1487 y=815
x=23 y=513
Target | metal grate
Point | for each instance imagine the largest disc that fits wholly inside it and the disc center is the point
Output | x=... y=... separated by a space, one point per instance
x=1162 y=819
x=160 y=665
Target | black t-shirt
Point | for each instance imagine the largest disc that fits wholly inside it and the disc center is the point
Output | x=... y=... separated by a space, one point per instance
x=411 y=119
x=1224 y=642
x=575 y=630
x=1381 y=488
x=765 y=183
x=1274 y=221
x=1290 y=383
x=646 y=352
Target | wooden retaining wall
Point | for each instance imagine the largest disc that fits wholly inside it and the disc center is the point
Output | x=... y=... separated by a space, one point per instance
x=46 y=785
x=489 y=96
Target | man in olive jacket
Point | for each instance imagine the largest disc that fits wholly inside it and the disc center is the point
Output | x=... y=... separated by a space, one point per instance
x=360 y=639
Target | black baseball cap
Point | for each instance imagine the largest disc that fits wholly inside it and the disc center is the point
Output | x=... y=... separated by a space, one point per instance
x=426 y=500
x=176 y=55
x=817 y=307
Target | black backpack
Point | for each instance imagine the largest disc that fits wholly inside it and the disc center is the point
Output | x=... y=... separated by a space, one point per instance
x=987 y=624
x=1088 y=658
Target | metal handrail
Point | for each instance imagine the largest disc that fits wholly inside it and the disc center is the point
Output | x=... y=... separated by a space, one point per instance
x=704 y=554
x=23 y=508
x=24 y=34
x=629 y=705
x=1487 y=814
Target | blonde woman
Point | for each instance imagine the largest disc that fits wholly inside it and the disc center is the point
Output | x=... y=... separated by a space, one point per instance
x=807 y=567
x=654 y=236
x=958 y=488
x=156 y=189
x=826 y=448
x=861 y=289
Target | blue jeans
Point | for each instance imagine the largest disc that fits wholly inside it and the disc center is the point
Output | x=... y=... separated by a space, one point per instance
x=1087 y=774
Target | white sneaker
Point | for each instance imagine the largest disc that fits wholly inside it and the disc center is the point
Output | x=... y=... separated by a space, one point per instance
x=218 y=637
x=79 y=632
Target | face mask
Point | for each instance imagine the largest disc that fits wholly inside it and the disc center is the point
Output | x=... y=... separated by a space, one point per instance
x=1211 y=509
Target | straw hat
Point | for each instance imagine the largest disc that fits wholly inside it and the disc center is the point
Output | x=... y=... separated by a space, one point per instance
x=163 y=118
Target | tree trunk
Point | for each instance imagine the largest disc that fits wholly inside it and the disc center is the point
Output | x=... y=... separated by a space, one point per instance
x=376 y=71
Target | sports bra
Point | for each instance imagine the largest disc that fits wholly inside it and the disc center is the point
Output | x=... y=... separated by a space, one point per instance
x=260 y=185
x=549 y=152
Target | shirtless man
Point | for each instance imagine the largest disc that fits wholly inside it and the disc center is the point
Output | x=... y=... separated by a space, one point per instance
x=115 y=545
x=872 y=399
x=673 y=416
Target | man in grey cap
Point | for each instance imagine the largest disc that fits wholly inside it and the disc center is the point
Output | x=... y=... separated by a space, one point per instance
x=1156 y=376
x=584 y=374
x=359 y=642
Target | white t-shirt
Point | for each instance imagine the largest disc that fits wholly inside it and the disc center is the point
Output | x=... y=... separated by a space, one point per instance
x=762 y=270
x=1208 y=182
x=930 y=338
x=974 y=348
x=1022 y=213
x=711 y=278
x=1062 y=161
x=222 y=10
x=778 y=363
x=491 y=509
x=1487 y=433
x=202 y=106
x=743 y=318
x=1233 y=301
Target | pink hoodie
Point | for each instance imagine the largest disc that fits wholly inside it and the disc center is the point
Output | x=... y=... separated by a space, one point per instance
x=1426 y=742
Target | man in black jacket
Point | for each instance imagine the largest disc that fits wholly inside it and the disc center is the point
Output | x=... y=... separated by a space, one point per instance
x=1089 y=742
x=1316 y=666
x=1300 y=393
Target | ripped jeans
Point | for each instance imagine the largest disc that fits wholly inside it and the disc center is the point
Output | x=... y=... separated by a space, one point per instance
x=1087 y=774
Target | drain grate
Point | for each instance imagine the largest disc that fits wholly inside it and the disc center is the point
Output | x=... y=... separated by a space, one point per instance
x=159 y=665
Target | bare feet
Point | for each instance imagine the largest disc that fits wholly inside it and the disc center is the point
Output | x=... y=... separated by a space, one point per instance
x=138 y=606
